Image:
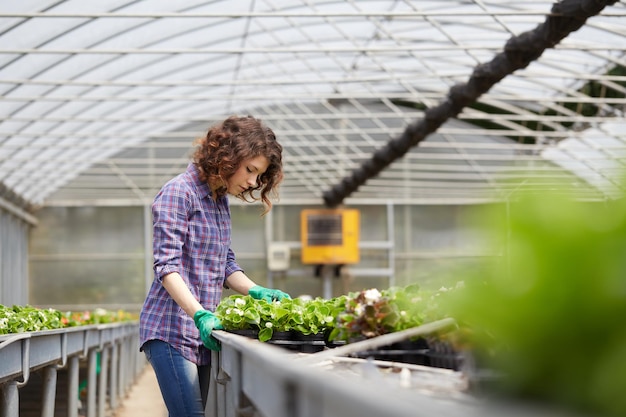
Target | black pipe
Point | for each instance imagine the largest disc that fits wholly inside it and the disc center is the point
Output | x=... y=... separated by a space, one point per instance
x=566 y=16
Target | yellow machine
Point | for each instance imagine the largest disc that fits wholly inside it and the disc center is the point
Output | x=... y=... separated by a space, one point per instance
x=330 y=236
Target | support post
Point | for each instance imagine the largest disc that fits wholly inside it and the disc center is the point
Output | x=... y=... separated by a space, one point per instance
x=49 y=391
x=10 y=399
x=327 y=282
x=72 y=387
x=102 y=382
x=113 y=381
x=91 y=383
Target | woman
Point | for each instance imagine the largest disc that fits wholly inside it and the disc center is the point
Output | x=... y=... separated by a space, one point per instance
x=193 y=260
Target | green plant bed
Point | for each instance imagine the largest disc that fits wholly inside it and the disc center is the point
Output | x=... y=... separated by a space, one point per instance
x=18 y=319
x=337 y=321
x=299 y=318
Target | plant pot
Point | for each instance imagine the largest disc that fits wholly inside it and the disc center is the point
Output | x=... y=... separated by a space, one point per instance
x=443 y=355
x=332 y=343
x=254 y=334
x=281 y=335
x=251 y=333
x=310 y=343
x=408 y=351
x=319 y=337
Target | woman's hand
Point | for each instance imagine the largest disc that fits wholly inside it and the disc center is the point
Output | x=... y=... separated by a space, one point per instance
x=261 y=293
x=206 y=322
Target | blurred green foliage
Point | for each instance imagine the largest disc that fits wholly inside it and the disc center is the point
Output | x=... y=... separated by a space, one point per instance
x=18 y=319
x=549 y=316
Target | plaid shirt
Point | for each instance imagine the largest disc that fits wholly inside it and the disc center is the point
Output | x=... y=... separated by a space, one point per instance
x=191 y=237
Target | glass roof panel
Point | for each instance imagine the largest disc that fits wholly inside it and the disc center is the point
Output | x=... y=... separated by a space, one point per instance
x=101 y=100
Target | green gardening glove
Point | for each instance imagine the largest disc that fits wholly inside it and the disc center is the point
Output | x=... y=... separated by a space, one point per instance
x=206 y=322
x=261 y=293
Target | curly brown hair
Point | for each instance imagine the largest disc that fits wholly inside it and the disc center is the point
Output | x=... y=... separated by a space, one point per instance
x=227 y=144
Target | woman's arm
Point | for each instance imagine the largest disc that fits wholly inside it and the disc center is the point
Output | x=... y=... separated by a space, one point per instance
x=178 y=290
x=238 y=281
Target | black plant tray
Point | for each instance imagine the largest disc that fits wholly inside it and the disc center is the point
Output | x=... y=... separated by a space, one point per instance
x=293 y=341
x=413 y=352
x=443 y=355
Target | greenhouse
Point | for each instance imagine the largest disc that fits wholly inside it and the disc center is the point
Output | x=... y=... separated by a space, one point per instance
x=449 y=228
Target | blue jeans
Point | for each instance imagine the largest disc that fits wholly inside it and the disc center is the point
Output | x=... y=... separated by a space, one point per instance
x=184 y=385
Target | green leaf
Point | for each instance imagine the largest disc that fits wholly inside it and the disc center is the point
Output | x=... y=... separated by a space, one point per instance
x=252 y=316
x=280 y=312
x=265 y=334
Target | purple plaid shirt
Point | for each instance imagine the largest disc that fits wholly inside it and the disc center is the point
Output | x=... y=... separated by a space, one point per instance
x=191 y=237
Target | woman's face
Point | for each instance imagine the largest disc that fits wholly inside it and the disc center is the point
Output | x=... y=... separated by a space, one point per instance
x=247 y=175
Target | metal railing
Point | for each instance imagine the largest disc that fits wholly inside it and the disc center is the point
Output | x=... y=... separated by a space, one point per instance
x=252 y=378
x=112 y=358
